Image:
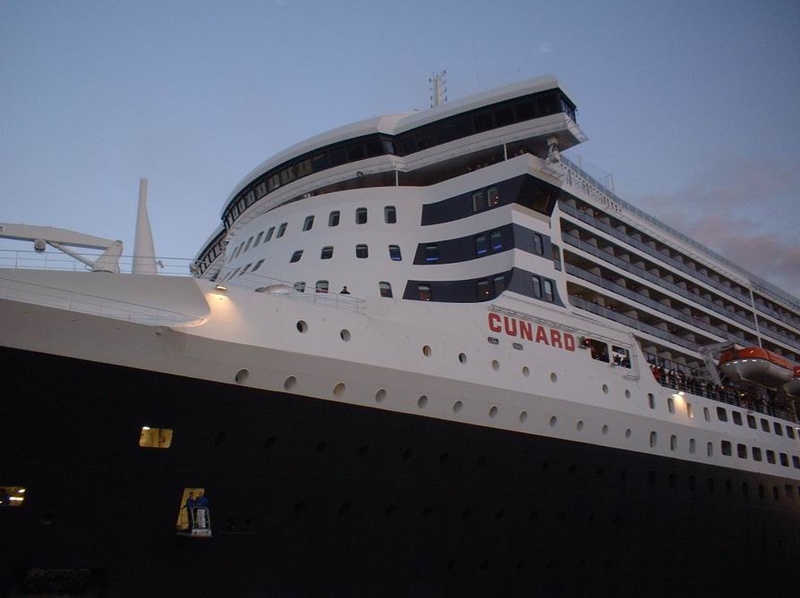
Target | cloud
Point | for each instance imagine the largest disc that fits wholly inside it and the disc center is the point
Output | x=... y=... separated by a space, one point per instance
x=746 y=212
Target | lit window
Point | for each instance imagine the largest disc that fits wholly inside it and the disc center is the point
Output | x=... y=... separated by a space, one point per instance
x=333 y=218
x=390 y=215
x=322 y=286
x=155 y=437
x=431 y=253
x=480 y=245
x=361 y=216
x=296 y=256
x=497 y=240
x=281 y=230
x=193 y=513
x=494 y=196
x=308 y=223
x=327 y=252
x=11 y=496
x=362 y=251
x=386 y=289
x=394 y=253
x=425 y=293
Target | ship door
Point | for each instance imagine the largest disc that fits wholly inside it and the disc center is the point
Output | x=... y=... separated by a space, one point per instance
x=194 y=514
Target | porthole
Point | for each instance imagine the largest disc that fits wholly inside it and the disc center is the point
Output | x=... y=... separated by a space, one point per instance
x=289 y=383
x=495 y=365
x=345 y=335
x=380 y=395
x=579 y=426
x=553 y=421
x=605 y=389
x=553 y=377
x=526 y=371
x=338 y=390
x=426 y=351
x=458 y=406
x=627 y=394
x=422 y=402
x=241 y=376
x=302 y=327
x=462 y=358
x=493 y=412
x=605 y=430
x=628 y=433
x=523 y=417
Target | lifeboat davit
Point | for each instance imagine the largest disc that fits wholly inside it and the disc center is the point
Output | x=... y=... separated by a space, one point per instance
x=792 y=387
x=758 y=366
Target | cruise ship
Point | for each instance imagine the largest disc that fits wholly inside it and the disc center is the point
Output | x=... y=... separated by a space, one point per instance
x=424 y=354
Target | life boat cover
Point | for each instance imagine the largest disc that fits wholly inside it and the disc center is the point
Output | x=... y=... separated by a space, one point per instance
x=792 y=387
x=756 y=365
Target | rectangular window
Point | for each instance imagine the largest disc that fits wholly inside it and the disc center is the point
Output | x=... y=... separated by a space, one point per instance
x=537 y=286
x=385 y=288
x=737 y=417
x=548 y=291
x=757 y=454
x=764 y=425
x=484 y=290
x=784 y=459
x=281 y=230
x=651 y=400
x=497 y=240
x=249 y=242
x=270 y=232
x=425 y=293
x=499 y=285
x=327 y=252
x=480 y=245
x=431 y=253
x=538 y=247
x=361 y=216
x=751 y=421
x=12 y=496
x=258 y=239
x=478 y=201
x=322 y=286
x=722 y=414
x=727 y=448
x=796 y=461
x=303 y=168
x=258 y=264
x=362 y=251
x=273 y=182
x=300 y=286
x=790 y=432
x=394 y=253
x=778 y=428
x=771 y=456
x=741 y=450
x=671 y=405
x=390 y=215
x=333 y=218
x=296 y=256
x=308 y=223
x=493 y=196
x=287 y=175
x=155 y=437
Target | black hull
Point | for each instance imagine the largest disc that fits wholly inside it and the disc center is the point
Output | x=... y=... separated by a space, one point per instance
x=316 y=498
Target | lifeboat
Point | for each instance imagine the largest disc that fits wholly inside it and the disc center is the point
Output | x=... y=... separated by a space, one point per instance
x=792 y=387
x=758 y=366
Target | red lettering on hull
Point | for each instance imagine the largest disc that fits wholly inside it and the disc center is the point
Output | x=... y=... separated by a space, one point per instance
x=513 y=327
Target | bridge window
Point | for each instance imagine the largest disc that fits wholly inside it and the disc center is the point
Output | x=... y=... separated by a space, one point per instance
x=390 y=215
x=296 y=256
x=394 y=253
x=327 y=252
x=362 y=251
x=281 y=230
x=11 y=496
x=333 y=218
x=385 y=288
x=309 y=223
x=155 y=437
x=361 y=216
x=425 y=292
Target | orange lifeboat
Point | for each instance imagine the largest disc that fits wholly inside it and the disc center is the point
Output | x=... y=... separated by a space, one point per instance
x=756 y=365
x=792 y=387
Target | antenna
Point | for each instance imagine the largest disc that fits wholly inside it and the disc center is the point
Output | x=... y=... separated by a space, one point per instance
x=438 y=88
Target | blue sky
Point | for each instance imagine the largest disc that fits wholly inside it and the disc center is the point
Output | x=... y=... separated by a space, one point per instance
x=690 y=105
